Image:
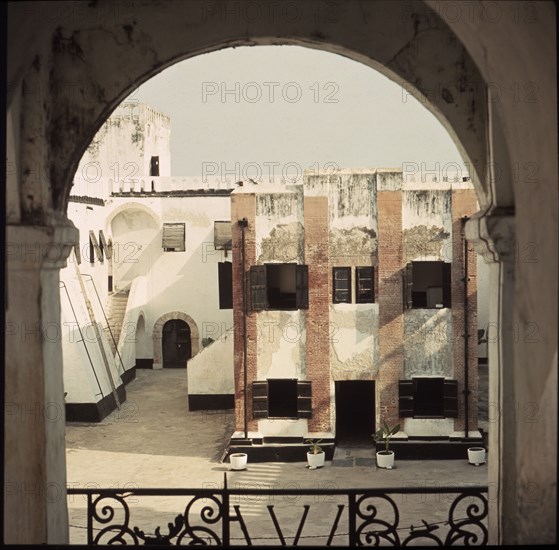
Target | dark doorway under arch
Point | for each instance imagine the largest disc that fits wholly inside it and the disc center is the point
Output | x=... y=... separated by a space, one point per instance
x=176 y=343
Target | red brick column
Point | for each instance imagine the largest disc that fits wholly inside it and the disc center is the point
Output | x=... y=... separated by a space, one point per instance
x=317 y=328
x=391 y=303
x=464 y=203
x=243 y=206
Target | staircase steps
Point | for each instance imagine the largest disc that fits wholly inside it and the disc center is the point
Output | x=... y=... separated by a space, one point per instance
x=116 y=309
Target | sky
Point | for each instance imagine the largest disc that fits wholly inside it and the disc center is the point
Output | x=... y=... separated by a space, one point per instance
x=256 y=111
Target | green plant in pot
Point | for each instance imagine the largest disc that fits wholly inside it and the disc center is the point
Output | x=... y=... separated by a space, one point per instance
x=385 y=458
x=315 y=455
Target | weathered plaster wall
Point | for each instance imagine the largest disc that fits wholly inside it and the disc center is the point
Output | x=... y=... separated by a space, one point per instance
x=279 y=224
x=428 y=343
x=427 y=225
x=353 y=336
x=210 y=372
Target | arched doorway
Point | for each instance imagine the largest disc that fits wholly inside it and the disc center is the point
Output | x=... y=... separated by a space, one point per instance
x=176 y=344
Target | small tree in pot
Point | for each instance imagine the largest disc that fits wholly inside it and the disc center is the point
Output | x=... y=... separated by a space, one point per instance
x=385 y=459
x=315 y=456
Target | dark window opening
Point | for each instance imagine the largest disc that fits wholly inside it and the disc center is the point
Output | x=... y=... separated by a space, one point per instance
x=225 y=281
x=427 y=285
x=282 y=398
x=154 y=166
x=173 y=237
x=341 y=285
x=280 y=281
x=279 y=286
x=428 y=398
x=364 y=285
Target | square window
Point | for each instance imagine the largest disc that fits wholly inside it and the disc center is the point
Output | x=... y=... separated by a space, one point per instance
x=427 y=285
x=174 y=237
x=429 y=397
x=341 y=285
x=364 y=283
x=282 y=398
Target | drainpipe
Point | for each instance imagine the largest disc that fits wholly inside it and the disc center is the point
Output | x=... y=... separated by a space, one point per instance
x=466 y=332
x=243 y=224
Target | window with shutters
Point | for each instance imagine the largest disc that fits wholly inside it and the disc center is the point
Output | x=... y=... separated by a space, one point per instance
x=364 y=285
x=281 y=398
x=427 y=285
x=279 y=287
x=426 y=397
x=341 y=285
x=222 y=235
x=94 y=248
x=225 y=285
x=106 y=250
x=173 y=237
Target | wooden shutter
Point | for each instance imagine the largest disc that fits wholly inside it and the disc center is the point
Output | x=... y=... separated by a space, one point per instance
x=173 y=237
x=225 y=282
x=105 y=248
x=450 y=398
x=406 y=394
x=304 y=399
x=408 y=286
x=260 y=399
x=302 y=287
x=364 y=283
x=258 y=288
x=93 y=243
x=341 y=285
x=446 y=268
x=222 y=235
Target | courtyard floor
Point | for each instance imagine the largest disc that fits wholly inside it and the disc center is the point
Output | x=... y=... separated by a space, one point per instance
x=155 y=442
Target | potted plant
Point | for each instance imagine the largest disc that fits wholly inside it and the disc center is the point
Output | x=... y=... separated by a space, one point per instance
x=385 y=459
x=476 y=455
x=315 y=455
x=238 y=461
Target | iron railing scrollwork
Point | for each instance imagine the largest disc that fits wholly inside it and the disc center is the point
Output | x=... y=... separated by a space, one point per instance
x=372 y=517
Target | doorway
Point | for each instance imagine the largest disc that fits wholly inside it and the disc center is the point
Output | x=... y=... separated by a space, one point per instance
x=355 y=412
x=176 y=343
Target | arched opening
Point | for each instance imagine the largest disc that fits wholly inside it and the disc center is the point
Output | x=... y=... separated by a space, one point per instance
x=176 y=344
x=422 y=49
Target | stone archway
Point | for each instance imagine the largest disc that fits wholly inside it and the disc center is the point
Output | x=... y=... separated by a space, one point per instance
x=158 y=335
x=66 y=75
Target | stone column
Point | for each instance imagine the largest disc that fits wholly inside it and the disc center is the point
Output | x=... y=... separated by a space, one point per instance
x=493 y=236
x=35 y=507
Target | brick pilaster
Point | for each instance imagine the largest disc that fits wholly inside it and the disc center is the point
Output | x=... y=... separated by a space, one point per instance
x=391 y=304
x=243 y=206
x=464 y=203
x=317 y=327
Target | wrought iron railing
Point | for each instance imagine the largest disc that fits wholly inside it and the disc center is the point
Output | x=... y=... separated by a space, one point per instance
x=245 y=515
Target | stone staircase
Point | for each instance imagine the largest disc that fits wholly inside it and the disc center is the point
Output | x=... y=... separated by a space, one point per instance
x=116 y=308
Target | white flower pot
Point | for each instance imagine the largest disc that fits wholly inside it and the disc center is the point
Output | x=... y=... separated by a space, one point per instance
x=238 y=461
x=316 y=460
x=385 y=459
x=476 y=455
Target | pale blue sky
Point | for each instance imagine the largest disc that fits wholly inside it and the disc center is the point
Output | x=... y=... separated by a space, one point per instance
x=325 y=109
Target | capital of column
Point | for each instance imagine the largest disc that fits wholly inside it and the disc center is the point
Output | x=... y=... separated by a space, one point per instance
x=35 y=248
x=493 y=235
